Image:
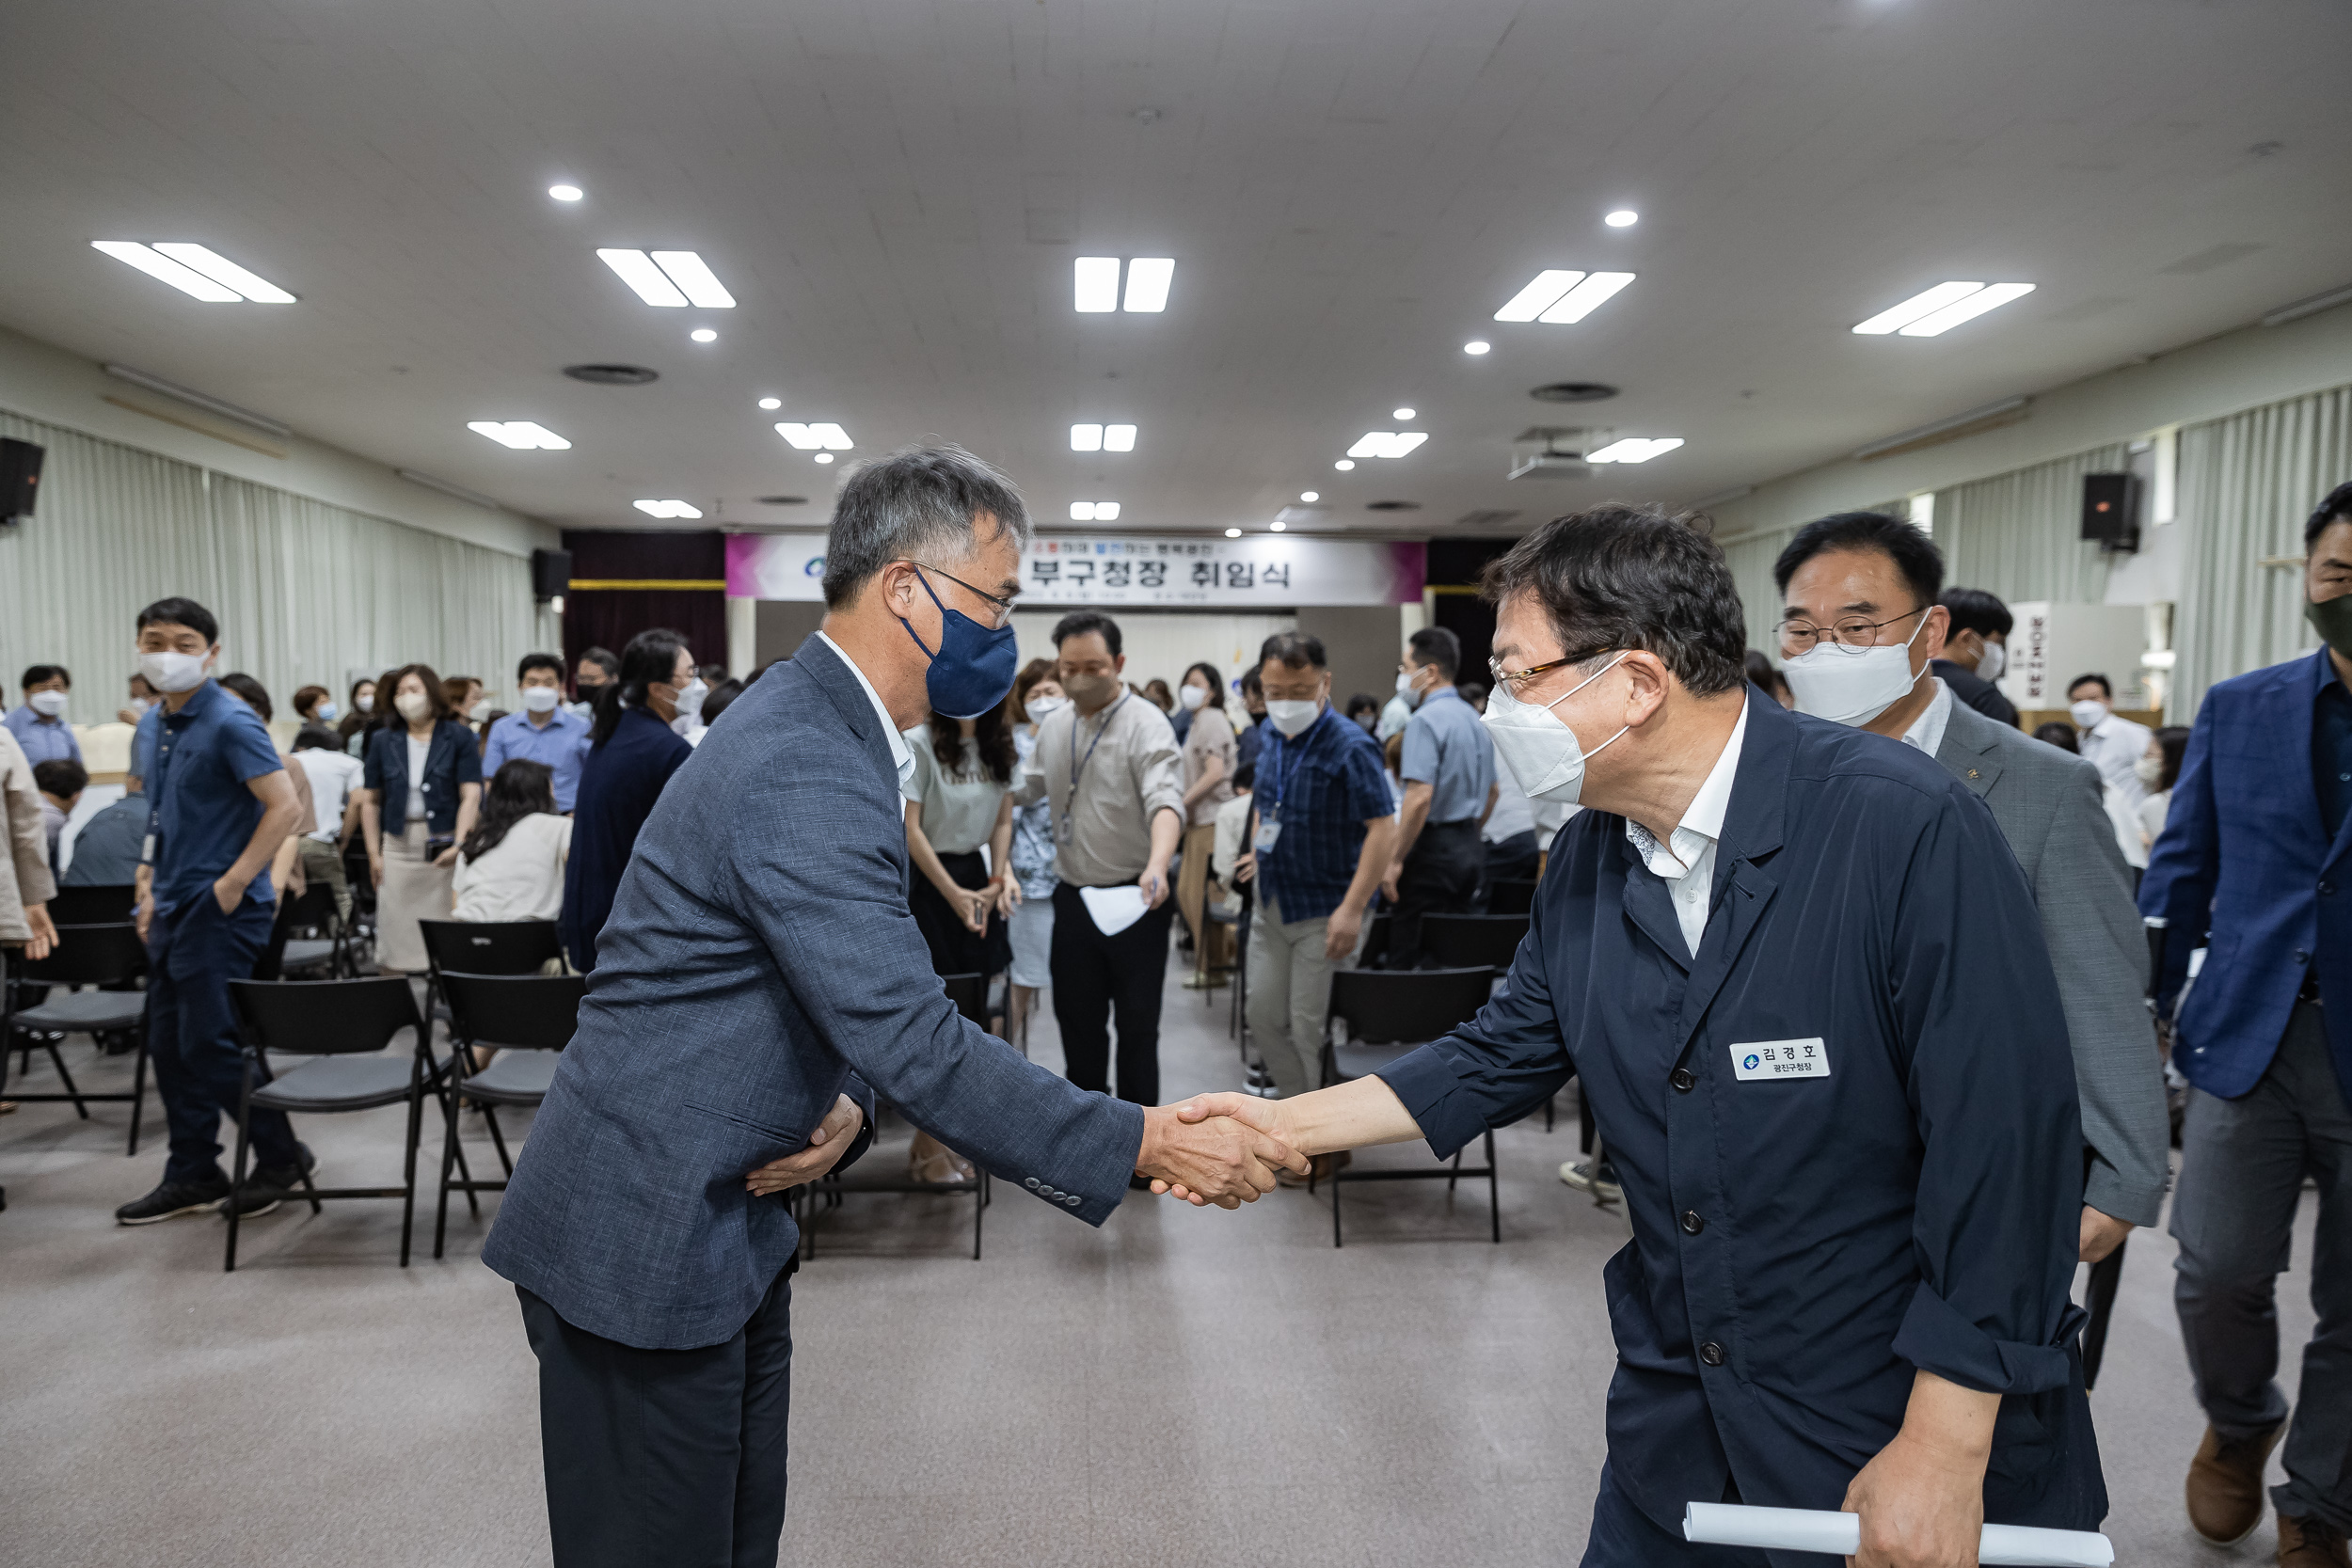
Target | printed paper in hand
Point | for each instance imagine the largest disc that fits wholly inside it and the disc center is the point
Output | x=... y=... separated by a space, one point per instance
x=1113 y=909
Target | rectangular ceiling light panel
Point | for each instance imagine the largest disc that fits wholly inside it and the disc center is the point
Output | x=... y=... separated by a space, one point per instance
x=1936 y=323
x=1538 y=296
x=1098 y=284
x=221 y=270
x=1586 y=297
x=1387 y=443
x=1147 y=279
x=1913 y=308
x=1094 y=512
x=696 y=279
x=638 y=271
x=666 y=509
x=199 y=273
x=824 y=437
x=1634 y=448
x=521 y=435
x=1118 y=438
x=1085 y=437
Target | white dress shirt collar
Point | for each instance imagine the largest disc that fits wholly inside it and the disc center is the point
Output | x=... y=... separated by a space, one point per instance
x=1926 y=731
x=1686 y=861
x=900 y=757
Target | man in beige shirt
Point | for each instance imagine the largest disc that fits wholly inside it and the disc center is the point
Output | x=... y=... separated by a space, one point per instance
x=1108 y=766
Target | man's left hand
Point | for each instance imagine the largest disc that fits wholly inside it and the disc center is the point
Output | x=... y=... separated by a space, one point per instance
x=2102 y=1233
x=825 y=1148
x=1922 y=1498
x=1154 y=884
x=1341 y=932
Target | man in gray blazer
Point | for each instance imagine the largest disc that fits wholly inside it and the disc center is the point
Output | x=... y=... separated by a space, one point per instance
x=759 y=971
x=1859 y=588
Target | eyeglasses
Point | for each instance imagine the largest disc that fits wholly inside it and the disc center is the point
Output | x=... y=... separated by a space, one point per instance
x=1004 y=608
x=1849 y=636
x=1516 y=680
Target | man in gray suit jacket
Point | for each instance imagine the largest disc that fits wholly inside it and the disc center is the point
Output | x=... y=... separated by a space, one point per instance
x=1870 y=581
x=759 y=971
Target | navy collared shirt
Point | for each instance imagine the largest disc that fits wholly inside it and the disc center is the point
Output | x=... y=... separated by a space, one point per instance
x=206 y=754
x=1448 y=749
x=1322 y=785
x=562 y=743
x=2332 y=749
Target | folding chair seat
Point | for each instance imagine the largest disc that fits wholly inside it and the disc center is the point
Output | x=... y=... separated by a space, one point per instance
x=528 y=1019
x=88 y=957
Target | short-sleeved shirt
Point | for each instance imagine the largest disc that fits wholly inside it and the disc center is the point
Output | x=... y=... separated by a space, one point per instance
x=1106 y=775
x=1322 y=785
x=562 y=743
x=144 y=740
x=1448 y=749
x=1032 y=827
x=1211 y=735
x=207 y=754
x=43 y=739
x=959 y=810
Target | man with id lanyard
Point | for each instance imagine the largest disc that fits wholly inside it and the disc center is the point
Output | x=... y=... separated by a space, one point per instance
x=1801 y=980
x=1324 y=830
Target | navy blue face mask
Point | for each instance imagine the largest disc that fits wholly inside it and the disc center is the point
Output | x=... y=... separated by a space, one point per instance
x=974 y=668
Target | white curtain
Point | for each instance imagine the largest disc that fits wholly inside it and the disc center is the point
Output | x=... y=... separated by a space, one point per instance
x=2016 y=535
x=304 y=592
x=2248 y=483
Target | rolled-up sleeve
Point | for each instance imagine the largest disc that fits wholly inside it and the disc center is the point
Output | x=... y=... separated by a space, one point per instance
x=1159 y=768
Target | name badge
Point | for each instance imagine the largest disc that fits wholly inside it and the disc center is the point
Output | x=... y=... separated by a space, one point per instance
x=1267 y=833
x=1780 y=1059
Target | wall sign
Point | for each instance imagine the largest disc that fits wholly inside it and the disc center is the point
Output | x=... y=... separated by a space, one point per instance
x=1263 y=571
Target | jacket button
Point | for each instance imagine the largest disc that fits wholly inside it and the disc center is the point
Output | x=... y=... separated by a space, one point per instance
x=1684 y=1080
x=2301 y=957
x=1692 y=1222
x=1712 y=1353
x=1073 y=1200
x=1030 y=1182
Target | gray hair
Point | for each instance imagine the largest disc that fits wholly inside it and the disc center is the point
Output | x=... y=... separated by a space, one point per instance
x=910 y=504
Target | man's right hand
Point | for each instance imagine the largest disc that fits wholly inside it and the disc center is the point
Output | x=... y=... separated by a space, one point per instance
x=1245 y=866
x=143 y=914
x=1217 y=1160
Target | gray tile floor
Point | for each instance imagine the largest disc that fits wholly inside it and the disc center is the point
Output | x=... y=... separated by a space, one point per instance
x=1180 y=1387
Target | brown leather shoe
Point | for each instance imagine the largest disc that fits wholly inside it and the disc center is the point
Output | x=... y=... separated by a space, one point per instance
x=2225 y=1485
x=2311 y=1544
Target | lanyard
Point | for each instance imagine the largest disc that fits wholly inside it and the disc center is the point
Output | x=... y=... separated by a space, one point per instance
x=1077 y=764
x=1300 y=761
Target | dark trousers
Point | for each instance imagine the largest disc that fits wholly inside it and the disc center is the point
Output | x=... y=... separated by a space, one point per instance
x=1507 y=860
x=664 y=1458
x=1100 y=980
x=1440 y=877
x=192 y=955
x=2243 y=1162
x=1625 y=1537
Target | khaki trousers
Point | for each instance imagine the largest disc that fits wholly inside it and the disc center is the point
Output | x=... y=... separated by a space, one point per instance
x=1290 y=996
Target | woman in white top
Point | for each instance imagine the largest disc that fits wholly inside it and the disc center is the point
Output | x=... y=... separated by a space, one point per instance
x=511 y=867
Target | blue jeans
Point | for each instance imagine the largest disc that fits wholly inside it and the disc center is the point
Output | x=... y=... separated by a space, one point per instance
x=192 y=952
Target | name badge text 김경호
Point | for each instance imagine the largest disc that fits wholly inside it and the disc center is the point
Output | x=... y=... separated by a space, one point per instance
x=1780 y=1059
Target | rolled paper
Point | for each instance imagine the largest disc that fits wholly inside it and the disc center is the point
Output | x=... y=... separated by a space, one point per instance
x=1818 y=1529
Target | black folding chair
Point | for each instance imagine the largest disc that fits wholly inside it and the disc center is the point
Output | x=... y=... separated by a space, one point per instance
x=1470 y=941
x=89 y=957
x=969 y=992
x=343 y=1023
x=316 y=957
x=528 y=1019
x=1510 y=895
x=1388 y=1013
x=110 y=905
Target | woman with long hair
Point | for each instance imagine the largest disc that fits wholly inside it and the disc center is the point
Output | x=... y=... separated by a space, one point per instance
x=358 y=715
x=1208 y=749
x=1029 y=921
x=424 y=791
x=511 y=867
x=633 y=748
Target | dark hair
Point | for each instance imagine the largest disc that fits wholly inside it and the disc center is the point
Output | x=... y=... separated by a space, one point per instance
x=2059 y=735
x=604 y=660
x=60 y=776
x=1763 y=677
x=181 y=612
x=307 y=697
x=915 y=502
x=539 y=661
x=37 y=673
x=517 y=789
x=650 y=659
x=1080 y=621
x=352 y=721
x=1245 y=776
x=256 y=695
x=1913 y=553
x=1974 y=610
x=1472 y=692
x=994 y=738
x=1363 y=701
x=311 y=737
x=1016 y=701
x=719 y=696
x=2107 y=686
x=1438 y=645
x=454 y=687
x=2336 y=508
x=1155 y=692
x=1619 y=576
x=388 y=712
x=710 y=675
x=1292 y=649
x=1253 y=680
x=2173 y=738
x=1215 y=679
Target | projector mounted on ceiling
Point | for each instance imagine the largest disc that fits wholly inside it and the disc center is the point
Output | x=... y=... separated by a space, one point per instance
x=1554 y=451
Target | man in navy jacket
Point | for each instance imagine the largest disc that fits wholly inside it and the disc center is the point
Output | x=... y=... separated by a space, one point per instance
x=759 y=969
x=2252 y=868
x=1802 y=981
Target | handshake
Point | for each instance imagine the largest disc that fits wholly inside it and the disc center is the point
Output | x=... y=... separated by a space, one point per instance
x=1220 y=1149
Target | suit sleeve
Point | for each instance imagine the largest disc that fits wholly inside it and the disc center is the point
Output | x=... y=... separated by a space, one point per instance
x=2184 y=863
x=1990 y=1084
x=2099 y=953
x=863 y=977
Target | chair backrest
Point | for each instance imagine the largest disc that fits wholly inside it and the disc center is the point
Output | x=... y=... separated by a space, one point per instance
x=1461 y=941
x=490 y=947
x=95 y=954
x=316 y=907
x=324 y=1018
x=533 y=1012
x=1511 y=895
x=1385 y=1007
x=969 y=992
x=93 y=906
x=1375 y=938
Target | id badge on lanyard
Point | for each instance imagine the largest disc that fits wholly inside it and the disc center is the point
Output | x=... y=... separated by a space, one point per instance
x=1268 y=831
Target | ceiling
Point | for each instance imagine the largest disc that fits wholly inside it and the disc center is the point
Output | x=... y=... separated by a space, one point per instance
x=894 y=191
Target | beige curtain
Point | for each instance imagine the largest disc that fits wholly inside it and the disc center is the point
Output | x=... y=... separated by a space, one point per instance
x=2016 y=534
x=2248 y=483
x=304 y=590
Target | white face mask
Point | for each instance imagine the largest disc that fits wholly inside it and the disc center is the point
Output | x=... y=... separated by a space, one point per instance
x=174 y=672
x=2086 y=714
x=49 y=705
x=324 y=714
x=1038 y=707
x=1192 y=697
x=1995 y=659
x=689 y=704
x=364 y=703
x=1852 y=686
x=541 y=699
x=480 y=711
x=1404 y=683
x=2149 y=771
x=1537 y=745
x=1292 y=718
x=413 y=705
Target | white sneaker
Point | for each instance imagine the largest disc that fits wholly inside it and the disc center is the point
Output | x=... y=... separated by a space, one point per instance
x=1581 y=1174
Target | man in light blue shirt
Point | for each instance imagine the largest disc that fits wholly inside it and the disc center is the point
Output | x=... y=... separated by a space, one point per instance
x=1449 y=772
x=542 y=732
x=40 y=724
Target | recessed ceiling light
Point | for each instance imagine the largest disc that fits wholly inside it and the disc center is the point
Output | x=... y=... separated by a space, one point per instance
x=809 y=438
x=824 y=457
x=565 y=193
x=1232 y=533
x=1094 y=512
x=1098 y=284
x=1148 y=277
x=1310 y=495
x=197 y=272
x=1634 y=448
x=1624 y=217
x=521 y=435
x=704 y=335
x=770 y=405
x=1404 y=414
x=1387 y=443
x=1118 y=438
x=1476 y=346
x=1586 y=297
x=670 y=278
x=1936 y=323
x=666 y=509
x=1344 y=465
x=1922 y=308
x=1085 y=437
x=1277 y=525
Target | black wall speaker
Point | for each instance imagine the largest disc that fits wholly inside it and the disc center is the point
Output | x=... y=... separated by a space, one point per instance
x=20 y=479
x=2111 y=511
x=551 y=574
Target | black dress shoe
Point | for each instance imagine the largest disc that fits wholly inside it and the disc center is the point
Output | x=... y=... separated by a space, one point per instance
x=170 y=1199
